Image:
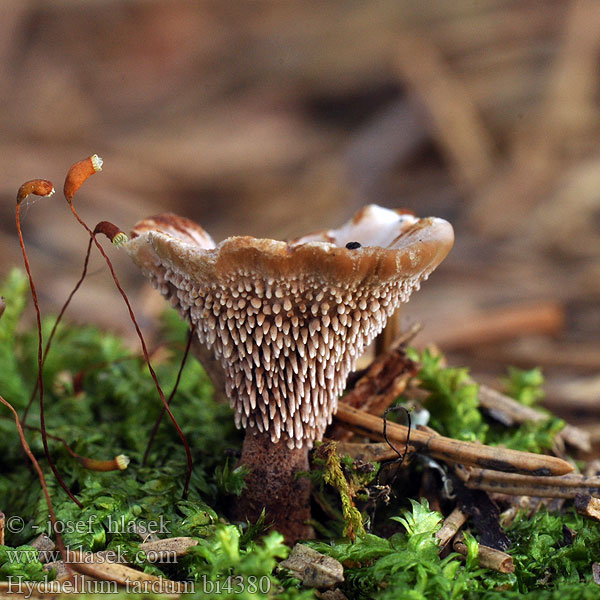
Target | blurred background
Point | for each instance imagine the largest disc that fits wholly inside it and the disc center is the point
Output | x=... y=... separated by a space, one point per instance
x=276 y=117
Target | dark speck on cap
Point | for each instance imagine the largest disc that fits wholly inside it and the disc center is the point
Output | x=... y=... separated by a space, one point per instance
x=353 y=245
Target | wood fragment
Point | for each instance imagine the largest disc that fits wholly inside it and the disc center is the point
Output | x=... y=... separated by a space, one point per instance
x=314 y=569
x=530 y=505
x=335 y=594
x=450 y=527
x=592 y=468
x=392 y=369
x=576 y=394
x=62 y=573
x=45 y=547
x=42 y=543
x=444 y=448
x=510 y=412
x=499 y=324
x=506 y=409
x=588 y=506
x=488 y=557
x=93 y=565
x=407 y=336
x=577 y=437
x=593 y=429
x=565 y=486
x=158 y=550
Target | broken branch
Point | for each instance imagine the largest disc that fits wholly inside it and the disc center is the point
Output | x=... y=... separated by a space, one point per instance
x=565 y=486
x=488 y=557
x=469 y=453
x=450 y=527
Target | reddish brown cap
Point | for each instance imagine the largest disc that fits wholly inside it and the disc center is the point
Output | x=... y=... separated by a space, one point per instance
x=289 y=320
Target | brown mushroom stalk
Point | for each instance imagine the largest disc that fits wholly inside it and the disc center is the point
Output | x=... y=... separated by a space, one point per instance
x=287 y=322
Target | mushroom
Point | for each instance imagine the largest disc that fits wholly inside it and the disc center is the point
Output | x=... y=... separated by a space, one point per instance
x=287 y=322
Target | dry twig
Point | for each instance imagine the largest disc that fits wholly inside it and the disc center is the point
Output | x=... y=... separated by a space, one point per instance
x=98 y=567
x=488 y=557
x=454 y=450
x=565 y=486
x=452 y=523
x=510 y=412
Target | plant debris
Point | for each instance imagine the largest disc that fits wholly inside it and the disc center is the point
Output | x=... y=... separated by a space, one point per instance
x=313 y=569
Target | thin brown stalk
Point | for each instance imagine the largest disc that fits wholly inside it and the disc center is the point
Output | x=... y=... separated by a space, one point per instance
x=56 y=323
x=171 y=395
x=118 y=463
x=113 y=233
x=27 y=449
x=24 y=191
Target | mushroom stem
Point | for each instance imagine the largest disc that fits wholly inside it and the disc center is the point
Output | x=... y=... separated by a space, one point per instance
x=273 y=485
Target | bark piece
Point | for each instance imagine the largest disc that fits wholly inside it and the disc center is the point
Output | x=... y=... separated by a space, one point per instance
x=315 y=570
x=588 y=506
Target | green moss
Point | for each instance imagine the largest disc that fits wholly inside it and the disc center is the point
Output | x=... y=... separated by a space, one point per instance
x=525 y=386
x=332 y=474
x=21 y=562
x=452 y=399
x=455 y=411
x=101 y=400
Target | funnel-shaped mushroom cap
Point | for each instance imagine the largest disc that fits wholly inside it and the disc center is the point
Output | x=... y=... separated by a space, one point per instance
x=288 y=320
